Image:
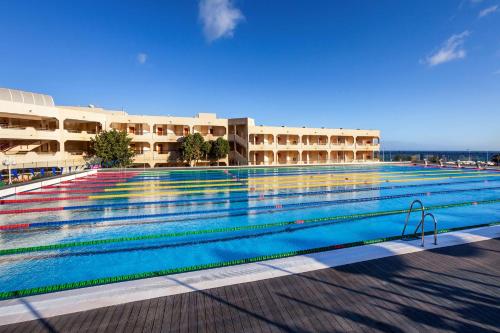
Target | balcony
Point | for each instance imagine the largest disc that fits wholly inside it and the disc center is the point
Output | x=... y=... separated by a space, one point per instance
x=315 y=146
x=78 y=135
x=170 y=137
x=261 y=146
x=368 y=146
x=28 y=132
x=342 y=146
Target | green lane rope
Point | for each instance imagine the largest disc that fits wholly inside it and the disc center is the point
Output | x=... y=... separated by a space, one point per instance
x=128 y=277
x=230 y=229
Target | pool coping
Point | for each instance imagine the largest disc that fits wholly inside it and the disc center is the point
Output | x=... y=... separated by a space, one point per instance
x=76 y=300
x=14 y=189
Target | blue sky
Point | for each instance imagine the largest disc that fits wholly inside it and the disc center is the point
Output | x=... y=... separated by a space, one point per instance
x=427 y=73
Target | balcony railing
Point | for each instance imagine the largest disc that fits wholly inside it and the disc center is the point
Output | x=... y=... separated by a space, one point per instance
x=23 y=127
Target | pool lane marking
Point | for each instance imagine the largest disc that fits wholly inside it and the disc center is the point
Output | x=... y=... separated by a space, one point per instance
x=266 y=178
x=264 y=188
x=248 y=210
x=187 y=180
x=4 y=295
x=183 y=193
x=158 y=183
x=350 y=217
x=137 y=189
x=212 y=185
x=277 y=181
x=230 y=199
x=207 y=181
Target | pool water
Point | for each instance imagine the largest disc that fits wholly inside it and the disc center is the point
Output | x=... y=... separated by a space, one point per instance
x=116 y=226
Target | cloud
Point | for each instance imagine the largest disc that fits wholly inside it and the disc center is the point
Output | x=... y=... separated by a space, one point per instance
x=142 y=58
x=219 y=18
x=497 y=72
x=452 y=49
x=488 y=11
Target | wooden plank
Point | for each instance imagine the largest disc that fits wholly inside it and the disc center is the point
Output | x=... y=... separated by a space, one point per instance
x=126 y=314
x=147 y=323
x=168 y=314
x=160 y=312
x=115 y=318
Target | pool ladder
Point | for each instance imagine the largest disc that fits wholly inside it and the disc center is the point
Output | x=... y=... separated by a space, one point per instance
x=422 y=220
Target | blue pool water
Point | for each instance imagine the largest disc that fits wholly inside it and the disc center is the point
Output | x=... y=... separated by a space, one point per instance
x=117 y=224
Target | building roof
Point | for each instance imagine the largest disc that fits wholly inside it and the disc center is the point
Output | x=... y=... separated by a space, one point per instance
x=25 y=97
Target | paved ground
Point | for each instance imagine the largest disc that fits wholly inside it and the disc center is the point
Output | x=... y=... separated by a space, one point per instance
x=449 y=289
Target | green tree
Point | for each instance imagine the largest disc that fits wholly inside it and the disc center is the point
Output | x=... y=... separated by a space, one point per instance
x=193 y=148
x=206 y=149
x=220 y=149
x=113 y=148
x=496 y=159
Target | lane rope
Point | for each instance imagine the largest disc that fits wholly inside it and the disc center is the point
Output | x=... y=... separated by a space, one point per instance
x=230 y=199
x=240 y=228
x=136 y=276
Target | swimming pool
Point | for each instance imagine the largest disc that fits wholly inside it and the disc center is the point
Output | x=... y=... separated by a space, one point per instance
x=118 y=226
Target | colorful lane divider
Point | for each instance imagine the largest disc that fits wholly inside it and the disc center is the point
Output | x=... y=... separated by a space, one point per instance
x=126 y=189
x=212 y=191
x=139 y=179
x=136 y=276
x=272 y=187
x=122 y=188
x=228 y=180
x=302 y=205
x=280 y=182
x=231 y=199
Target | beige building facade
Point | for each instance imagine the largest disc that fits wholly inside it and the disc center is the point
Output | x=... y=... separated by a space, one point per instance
x=34 y=132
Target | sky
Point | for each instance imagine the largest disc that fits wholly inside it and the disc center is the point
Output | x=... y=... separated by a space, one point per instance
x=424 y=72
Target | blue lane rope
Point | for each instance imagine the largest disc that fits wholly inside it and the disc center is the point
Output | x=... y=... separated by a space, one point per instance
x=302 y=205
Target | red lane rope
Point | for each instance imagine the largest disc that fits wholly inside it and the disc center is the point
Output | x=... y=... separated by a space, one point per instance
x=13 y=201
x=58 y=192
x=79 y=186
x=15 y=226
x=100 y=180
x=31 y=210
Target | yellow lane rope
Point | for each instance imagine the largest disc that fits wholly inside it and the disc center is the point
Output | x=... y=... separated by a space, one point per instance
x=284 y=176
x=271 y=178
x=251 y=189
x=310 y=179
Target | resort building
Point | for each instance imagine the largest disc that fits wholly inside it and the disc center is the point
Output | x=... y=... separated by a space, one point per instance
x=35 y=132
x=276 y=145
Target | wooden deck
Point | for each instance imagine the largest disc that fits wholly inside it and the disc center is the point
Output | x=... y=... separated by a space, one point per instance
x=449 y=289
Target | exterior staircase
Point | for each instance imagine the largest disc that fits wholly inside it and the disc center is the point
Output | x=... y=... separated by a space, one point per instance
x=20 y=149
x=238 y=158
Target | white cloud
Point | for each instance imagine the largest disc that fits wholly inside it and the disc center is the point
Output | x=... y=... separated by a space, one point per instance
x=219 y=18
x=497 y=72
x=452 y=49
x=488 y=11
x=142 y=58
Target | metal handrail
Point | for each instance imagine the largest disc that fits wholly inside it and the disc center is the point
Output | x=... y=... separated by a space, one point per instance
x=421 y=224
x=408 y=218
x=435 y=226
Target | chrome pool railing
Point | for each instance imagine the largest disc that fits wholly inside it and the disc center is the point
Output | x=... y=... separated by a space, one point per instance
x=421 y=223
